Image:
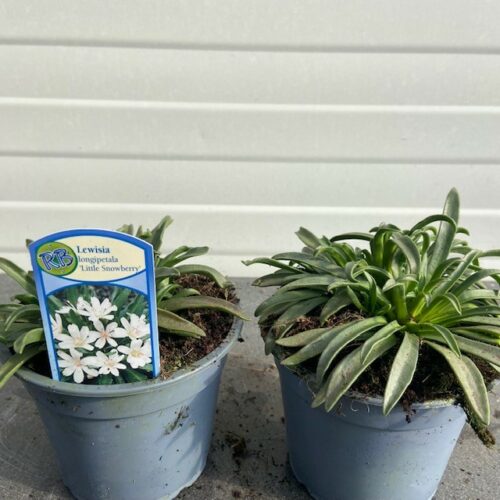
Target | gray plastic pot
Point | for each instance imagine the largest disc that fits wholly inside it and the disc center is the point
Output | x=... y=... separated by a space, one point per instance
x=145 y=440
x=355 y=452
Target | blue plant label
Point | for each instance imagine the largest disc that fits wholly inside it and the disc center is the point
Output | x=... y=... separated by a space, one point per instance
x=96 y=290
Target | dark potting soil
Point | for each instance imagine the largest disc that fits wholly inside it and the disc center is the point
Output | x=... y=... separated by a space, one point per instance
x=433 y=377
x=178 y=352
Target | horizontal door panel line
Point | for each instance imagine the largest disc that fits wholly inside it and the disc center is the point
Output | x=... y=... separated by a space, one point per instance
x=236 y=209
x=256 y=46
x=204 y=158
x=65 y=103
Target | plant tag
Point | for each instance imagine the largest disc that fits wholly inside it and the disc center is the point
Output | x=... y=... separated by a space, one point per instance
x=96 y=290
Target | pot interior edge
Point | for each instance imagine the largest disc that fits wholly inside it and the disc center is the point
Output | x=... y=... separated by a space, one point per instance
x=117 y=390
x=372 y=400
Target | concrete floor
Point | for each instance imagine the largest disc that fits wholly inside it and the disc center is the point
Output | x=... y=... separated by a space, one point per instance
x=249 y=408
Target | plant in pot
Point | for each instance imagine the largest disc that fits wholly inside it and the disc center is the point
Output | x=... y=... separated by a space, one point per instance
x=148 y=438
x=382 y=352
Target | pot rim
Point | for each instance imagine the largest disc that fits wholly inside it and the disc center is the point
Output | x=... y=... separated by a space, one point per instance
x=128 y=389
x=371 y=400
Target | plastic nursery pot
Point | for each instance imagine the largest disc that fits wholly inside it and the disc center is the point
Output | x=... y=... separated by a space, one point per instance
x=355 y=452
x=144 y=440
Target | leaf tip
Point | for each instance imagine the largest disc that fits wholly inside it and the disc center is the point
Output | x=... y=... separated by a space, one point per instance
x=387 y=406
x=317 y=402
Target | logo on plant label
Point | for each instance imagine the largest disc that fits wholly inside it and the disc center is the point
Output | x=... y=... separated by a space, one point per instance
x=56 y=258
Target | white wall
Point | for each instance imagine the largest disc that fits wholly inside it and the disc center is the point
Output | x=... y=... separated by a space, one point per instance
x=246 y=119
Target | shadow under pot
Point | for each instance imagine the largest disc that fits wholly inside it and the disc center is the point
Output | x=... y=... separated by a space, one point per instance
x=146 y=440
x=355 y=452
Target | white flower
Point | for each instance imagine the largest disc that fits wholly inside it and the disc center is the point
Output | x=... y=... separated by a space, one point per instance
x=109 y=364
x=67 y=308
x=77 y=339
x=136 y=328
x=107 y=334
x=138 y=354
x=74 y=364
x=96 y=310
x=57 y=326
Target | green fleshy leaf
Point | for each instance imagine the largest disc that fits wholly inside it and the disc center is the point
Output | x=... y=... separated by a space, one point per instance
x=476 y=335
x=410 y=251
x=431 y=219
x=17 y=361
x=475 y=320
x=346 y=372
x=270 y=304
x=399 y=303
x=490 y=253
x=491 y=331
x=302 y=338
x=202 y=302
x=127 y=229
x=180 y=254
x=307 y=261
x=18 y=275
x=166 y=272
x=269 y=262
x=26 y=298
x=169 y=321
x=377 y=338
x=314 y=348
x=295 y=311
x=352 y=236
x=402 y=371
x=445 y=334
x=480 y=349
x=474 y=278
x=472 y=295
x=334 y=305
x=446 y=233
x=30 y=337
x=210 y=272
x=158 y=231
x=9 y=336
x=28 y=311
x=308 y=238
x=471 y=381
x=450 y=282
x=277 y=278
x=308 y=282
x=351 y=332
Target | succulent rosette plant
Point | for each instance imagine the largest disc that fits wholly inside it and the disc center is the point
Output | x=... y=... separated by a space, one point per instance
x=105 y=339
x=409 y=290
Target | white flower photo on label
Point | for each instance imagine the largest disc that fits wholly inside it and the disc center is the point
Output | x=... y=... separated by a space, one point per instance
x=96 y=310
x=73 y=364
x=135 y=327
x=107 y=334
x=102 y=332
x=57 y=326
x=138 y=354
x=67 y=308
x=78 y=338
x=109 y=364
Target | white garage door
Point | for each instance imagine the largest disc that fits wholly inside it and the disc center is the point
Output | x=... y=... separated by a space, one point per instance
x=246 y=119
